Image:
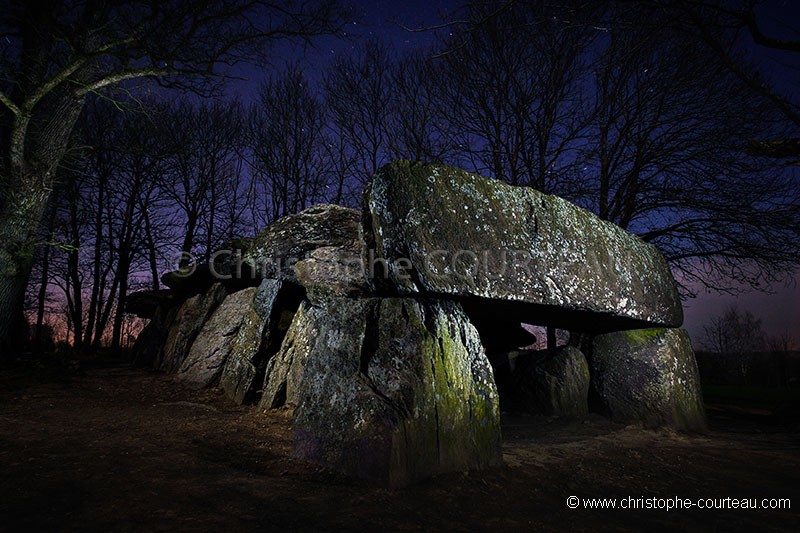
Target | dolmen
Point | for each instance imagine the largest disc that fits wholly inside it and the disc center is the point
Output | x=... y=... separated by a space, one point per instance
x=380 y=330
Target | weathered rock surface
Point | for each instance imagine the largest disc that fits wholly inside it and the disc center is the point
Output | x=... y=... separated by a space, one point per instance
x=275 y=251
x=649 y=376
x=445 y=232
x=240 y=369
x=324 y=238
x=284 y=373
x=365 y=324
x=393 y=390
x=332 y=272
x=210 y=349
x=251 y=342
x=556 y=384
x=262 y=327
x=150 y=342
x=189 y=320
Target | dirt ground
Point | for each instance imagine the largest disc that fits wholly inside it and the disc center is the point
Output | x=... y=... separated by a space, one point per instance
x=122 y=449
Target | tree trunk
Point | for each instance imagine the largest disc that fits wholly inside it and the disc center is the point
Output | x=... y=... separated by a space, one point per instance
x=94 y=301
x=122 y=274
x=74 y=276
x=32 y=161
x=42 y=300
x=188 y=240
x=20 y=217
x=151 y=248
x=43 y=283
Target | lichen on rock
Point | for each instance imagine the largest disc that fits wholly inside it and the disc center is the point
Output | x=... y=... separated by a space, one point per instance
x=189 y=320
x=259 y=335
x=274 y=252
x=365 y=323
x=206 y=359
x=467 y=236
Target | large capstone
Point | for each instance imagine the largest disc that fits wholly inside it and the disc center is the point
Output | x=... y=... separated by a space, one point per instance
x=225 y=267
x=436 y=230
x=146 y=303
x=392 y=390
x=190 y=280
x=274 y=252
x=648 y=376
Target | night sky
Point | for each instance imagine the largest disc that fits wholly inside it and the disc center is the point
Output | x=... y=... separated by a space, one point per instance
x=385 y=20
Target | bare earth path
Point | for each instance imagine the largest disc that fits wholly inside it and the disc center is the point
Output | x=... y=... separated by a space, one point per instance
x=121 y=449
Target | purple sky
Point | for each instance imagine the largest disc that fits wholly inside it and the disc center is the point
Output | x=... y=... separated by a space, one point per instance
x=780 y=310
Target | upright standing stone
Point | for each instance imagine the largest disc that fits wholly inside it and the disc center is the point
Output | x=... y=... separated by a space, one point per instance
x=649 y=376
x=557 y=384
x=189 y=320
x=206 y=360
x=392 y=390
x=285 y=369
x=147 y=350
x=259 y=336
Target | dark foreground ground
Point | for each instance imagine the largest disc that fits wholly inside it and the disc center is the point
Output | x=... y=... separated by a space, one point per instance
x=121 y=449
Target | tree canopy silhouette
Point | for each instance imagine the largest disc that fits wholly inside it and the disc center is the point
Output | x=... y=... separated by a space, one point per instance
x=55 y=54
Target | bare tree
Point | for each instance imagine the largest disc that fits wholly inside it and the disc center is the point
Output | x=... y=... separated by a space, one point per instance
x=287 y=145
x=360 y=102
x=735 y=332
x=202 y=175
x=511 y=86
x=417 y=128
x=104 y=196
x=56 y=53
x=737 y=335
x=614 y=109
x=726 y=28
x=42 y=292
x=782 y=342
x=667 y=159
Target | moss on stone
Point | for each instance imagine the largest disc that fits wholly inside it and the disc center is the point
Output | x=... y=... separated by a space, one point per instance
x=396 y=390
x=643 y=336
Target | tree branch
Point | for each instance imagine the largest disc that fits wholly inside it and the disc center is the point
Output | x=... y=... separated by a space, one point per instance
x=9 y=104
x=122 y=76
x=749 y=19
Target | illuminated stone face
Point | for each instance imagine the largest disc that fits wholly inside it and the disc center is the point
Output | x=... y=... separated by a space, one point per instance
x=467 y=236
x=391 y=389
x=648 y=376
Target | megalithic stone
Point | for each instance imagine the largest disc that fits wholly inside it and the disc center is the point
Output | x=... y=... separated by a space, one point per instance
x=648 y=376
x=436 y=230
x=394 y=390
